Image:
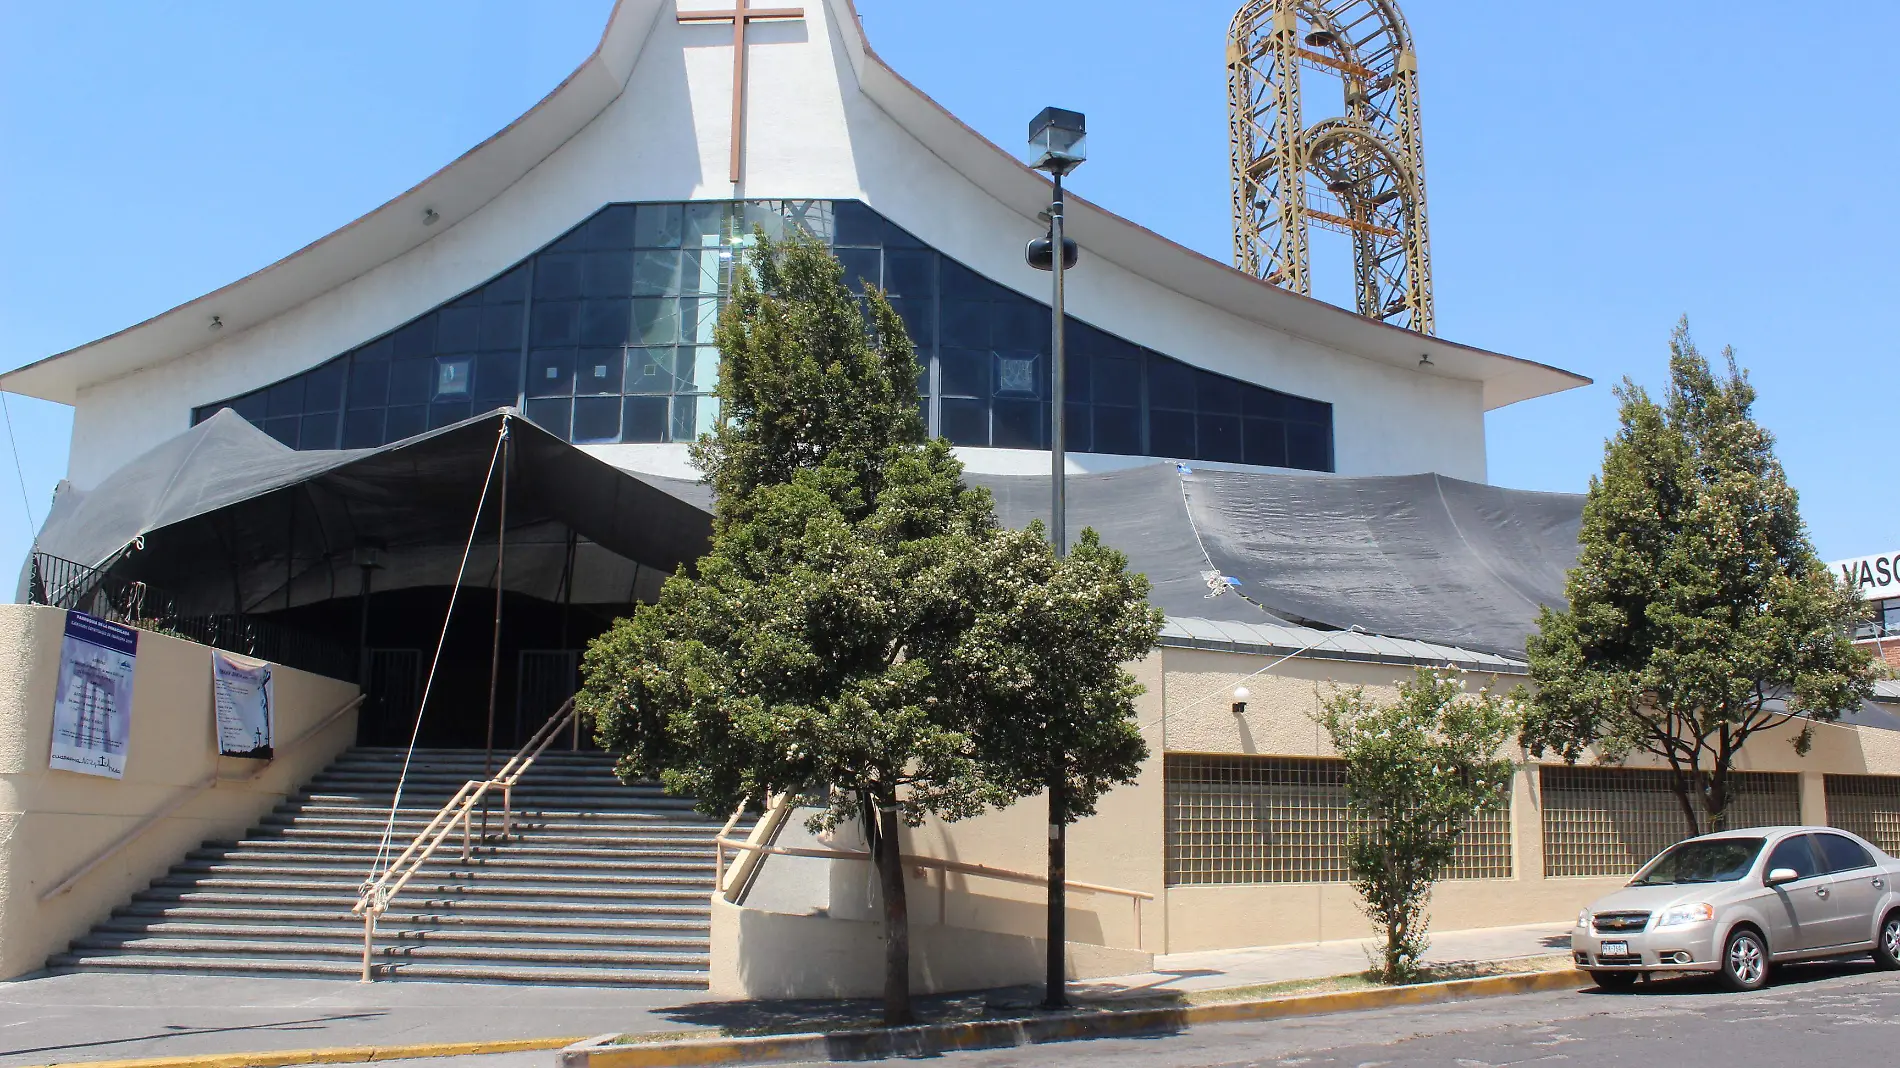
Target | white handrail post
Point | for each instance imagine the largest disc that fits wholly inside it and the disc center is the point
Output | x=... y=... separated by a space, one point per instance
x=465 y=831
x=507 y=808
x=369 y=938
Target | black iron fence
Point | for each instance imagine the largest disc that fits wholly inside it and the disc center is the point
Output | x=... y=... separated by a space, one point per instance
x=77 y=587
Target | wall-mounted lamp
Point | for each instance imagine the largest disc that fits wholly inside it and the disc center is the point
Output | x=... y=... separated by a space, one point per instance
x=1426 y=361
x=1240 y=700
x=429 y=217
x=216 y=323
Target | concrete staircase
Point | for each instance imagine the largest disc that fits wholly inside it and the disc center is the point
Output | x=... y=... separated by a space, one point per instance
x=600 y=883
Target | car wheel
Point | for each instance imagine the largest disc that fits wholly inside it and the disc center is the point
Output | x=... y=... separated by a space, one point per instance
x=1887 y=948
x=1614 y=981
x=1744 y=961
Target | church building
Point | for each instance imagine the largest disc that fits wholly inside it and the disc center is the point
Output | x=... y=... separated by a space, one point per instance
x=310 y=447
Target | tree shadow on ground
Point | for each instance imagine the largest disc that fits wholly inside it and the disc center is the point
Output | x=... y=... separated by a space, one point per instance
x=740 y=1018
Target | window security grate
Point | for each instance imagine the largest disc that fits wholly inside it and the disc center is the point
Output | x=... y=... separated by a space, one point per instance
x=1868 y=805
x=1284 y=820
x=1611 y=821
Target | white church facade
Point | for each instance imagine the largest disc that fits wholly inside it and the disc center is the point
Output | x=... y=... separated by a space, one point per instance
x=571 y=265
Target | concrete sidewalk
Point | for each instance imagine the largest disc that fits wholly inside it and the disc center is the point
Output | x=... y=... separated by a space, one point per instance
x=1221 y=969
x=99 y=1016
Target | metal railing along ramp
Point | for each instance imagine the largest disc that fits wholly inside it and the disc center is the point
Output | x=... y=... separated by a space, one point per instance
x=595 y=882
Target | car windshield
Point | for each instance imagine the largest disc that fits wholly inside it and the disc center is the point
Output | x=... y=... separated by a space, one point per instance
x=1719 y=860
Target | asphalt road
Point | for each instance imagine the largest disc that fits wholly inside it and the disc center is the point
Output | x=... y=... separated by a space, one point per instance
x=1813 y=1015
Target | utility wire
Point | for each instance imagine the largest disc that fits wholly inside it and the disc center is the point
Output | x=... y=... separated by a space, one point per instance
x=382 y=848
x=33 y=525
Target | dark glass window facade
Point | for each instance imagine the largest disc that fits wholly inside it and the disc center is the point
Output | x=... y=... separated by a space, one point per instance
x=606 y=335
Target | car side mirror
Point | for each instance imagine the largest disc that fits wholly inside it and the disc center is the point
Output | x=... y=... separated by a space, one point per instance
x=1781 y=875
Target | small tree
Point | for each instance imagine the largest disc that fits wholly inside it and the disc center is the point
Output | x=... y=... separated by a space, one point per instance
x=1699 y=613
x=1417 y=770
x=804 y=653
x=1043 y=660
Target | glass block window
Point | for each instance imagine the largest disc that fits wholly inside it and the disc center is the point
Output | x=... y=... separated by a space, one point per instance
x=606 y=335
x=1612 y=821
x=1867 y=805
x=1240 y=819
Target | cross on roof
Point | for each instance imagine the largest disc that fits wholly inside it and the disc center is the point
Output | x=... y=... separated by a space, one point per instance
x=741 y=14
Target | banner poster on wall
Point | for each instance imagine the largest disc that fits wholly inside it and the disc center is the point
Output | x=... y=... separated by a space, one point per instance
x=92 y=714
x=242 y=693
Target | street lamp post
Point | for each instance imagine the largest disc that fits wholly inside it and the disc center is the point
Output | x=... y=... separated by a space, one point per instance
x=1059 y=139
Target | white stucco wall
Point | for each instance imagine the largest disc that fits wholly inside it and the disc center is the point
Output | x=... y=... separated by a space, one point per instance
x=811 y=134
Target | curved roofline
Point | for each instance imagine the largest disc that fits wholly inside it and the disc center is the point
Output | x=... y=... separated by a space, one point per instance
x=457 y=190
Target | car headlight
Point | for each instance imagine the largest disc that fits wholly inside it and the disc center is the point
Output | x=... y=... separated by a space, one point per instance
x=1677 y=915
x=1583 y=919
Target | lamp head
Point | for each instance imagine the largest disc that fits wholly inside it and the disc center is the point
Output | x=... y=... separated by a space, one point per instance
x=1059 y=139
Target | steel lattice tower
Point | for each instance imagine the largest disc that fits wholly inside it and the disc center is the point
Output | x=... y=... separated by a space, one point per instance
x=1366 y=167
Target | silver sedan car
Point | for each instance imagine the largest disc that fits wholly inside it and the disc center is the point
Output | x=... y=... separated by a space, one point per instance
x=1736 y=902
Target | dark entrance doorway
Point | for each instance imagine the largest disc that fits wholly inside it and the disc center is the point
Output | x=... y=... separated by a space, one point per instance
x=541 y=644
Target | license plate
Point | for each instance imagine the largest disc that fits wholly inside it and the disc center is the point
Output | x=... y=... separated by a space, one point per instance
x=1615 y=949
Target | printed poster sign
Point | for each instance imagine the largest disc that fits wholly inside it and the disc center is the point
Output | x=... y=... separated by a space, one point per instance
x=243 y=697
x=92 y=715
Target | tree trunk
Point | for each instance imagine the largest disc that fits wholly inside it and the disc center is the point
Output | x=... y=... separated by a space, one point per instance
x=1055 y=988
x=1683 y=783
x=890 y=870
x=1718 y=799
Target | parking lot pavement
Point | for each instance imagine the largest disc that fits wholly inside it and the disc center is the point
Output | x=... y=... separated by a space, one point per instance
x=108 y=1016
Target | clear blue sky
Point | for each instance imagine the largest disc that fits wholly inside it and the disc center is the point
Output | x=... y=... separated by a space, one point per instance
x=1594 y=173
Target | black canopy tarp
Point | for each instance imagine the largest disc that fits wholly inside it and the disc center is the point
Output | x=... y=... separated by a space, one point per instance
x=227 y=519
x=1410 y=556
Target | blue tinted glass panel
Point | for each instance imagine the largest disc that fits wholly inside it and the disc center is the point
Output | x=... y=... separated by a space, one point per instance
x=406 y=421
x=1265 y=442
x=550 y=373
x=1171 y=434
x=645 y=419
x=363 y=430
x=369 y=384
x=556 y=416
x=410 y=381
x=1217 y=437
x=323 y=387
x=1118 y=431
x=1308 y=447
x=501 y=327
x=597 y=419
x=458 y=330
x=656 y=226
x=965 y=422
x=318 y=431
x=623 y=306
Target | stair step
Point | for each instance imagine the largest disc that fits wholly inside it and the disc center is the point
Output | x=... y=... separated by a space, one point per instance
x=218 y=965
x=399 y=917
x=599 y=882
x=346 y=949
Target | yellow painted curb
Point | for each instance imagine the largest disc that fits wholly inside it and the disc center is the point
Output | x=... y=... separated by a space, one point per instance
x=929 y=1039
x=687 y=1053
x=330 y=1054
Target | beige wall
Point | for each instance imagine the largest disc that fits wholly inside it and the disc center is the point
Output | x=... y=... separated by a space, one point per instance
x=760 y=954
x=771 y=951
x=53 y=822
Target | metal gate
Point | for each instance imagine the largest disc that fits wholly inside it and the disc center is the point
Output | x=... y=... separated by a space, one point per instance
x=395 y=688
x=545 y=678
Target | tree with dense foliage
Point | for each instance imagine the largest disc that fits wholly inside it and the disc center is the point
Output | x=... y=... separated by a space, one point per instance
x=1043 y=661
x=859 y=616
x=1699 y=613
x=1417 y=770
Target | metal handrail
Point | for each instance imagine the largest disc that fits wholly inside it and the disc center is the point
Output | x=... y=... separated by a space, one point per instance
x=381 y=888
x=958 y=866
